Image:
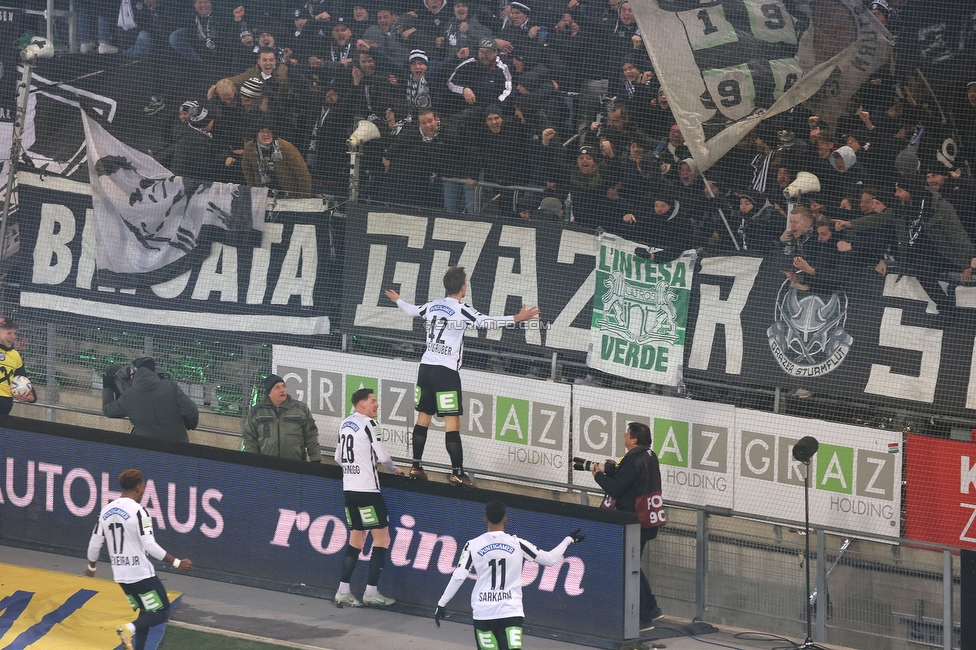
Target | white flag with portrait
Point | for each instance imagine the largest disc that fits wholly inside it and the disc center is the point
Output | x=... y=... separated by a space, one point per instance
x=145 y=217
x=726 y=65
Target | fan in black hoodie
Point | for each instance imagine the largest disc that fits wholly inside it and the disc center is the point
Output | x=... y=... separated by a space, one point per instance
x=665 y=227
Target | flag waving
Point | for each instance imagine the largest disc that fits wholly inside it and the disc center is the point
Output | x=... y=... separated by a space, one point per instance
x=726 y=65
x=145 y=217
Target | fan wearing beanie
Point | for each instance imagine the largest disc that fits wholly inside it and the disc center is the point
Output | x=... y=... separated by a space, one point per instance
x=280 y=426
x=193 y=155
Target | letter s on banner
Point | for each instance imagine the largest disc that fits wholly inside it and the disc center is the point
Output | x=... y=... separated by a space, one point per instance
x=928 y=341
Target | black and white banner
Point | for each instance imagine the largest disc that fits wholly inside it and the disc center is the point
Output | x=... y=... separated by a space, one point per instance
x=875 y=340
x=508 y=263
x=147 y=218
x=872 y=339
x=245 y=281
x=11 y=27
x=726 y=65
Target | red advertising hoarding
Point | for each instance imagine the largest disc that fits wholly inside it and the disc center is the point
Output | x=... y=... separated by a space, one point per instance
x=941 y=492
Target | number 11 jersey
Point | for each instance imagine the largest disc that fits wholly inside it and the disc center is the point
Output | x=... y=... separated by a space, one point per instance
x=496 y=558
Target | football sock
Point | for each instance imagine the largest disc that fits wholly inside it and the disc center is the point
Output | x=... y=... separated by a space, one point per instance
x=453 y=441
x=343 y=589
x=376 y=561
x=349 y=562
x=419 y=442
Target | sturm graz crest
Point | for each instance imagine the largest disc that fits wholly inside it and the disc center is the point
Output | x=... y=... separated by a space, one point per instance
x=808 y=337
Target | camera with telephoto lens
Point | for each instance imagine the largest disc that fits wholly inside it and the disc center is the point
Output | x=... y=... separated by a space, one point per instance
x=583 y=465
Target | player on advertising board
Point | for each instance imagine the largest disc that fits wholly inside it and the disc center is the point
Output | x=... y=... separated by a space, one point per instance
x=496 y=600
x=128 y=529
x=358 y=451
x=438 y=382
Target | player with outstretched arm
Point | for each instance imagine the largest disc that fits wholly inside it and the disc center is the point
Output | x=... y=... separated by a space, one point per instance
x=438 y=382
x=496 y=600
x=358 y=450
x=128 y=529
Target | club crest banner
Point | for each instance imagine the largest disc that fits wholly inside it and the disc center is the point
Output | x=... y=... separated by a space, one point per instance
x=640 y=312
x=807 y=336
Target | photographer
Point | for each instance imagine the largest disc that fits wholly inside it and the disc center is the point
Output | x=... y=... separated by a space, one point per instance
x=151 y=400
x=636 y=476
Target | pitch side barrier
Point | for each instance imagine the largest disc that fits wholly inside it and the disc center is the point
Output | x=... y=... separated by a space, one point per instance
x=251 y=518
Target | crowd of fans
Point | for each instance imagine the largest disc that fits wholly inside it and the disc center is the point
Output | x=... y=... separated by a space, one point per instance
x=561 y=95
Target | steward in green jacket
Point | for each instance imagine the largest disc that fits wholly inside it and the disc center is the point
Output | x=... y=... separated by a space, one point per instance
x=280 y=426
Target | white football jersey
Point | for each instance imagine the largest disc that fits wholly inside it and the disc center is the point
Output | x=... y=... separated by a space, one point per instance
x=357 y=451
x=127 y=530
x=445 y=320
x=496 y=557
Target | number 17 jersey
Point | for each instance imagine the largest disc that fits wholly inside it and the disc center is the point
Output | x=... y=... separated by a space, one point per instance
x=127 y=531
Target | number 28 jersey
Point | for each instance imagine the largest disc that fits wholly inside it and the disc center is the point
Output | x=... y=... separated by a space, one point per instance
x=127 y=530
x=445 y=322
x=358 y=449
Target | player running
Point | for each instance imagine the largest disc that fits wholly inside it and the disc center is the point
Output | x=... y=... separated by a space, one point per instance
x=438 y=382
x=128 y=529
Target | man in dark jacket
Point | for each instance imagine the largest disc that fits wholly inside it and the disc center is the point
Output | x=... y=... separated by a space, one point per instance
x=637 y=474
x=152 y=401
x=280 y=426
x=483 y=79
x=209 y=37
x=420 y=158
x=193 y=155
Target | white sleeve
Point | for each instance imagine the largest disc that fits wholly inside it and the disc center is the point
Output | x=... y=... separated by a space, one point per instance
x=95 y=543
x=148 y=538
x=383 y=456
x=481 y=320
x=411 y=310
x=453 y=87
x=337 y=455
x=493 y=321
x=152 y=548
x=457 y=578
x=546 y=558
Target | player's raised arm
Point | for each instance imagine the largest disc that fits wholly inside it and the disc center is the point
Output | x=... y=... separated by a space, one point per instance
x=483 y=320
x=411 y=310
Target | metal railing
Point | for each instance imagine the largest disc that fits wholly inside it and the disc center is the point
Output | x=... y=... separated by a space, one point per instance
x=481 y=186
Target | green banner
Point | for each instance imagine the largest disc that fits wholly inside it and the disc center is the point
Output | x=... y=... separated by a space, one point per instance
x=640 y=311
